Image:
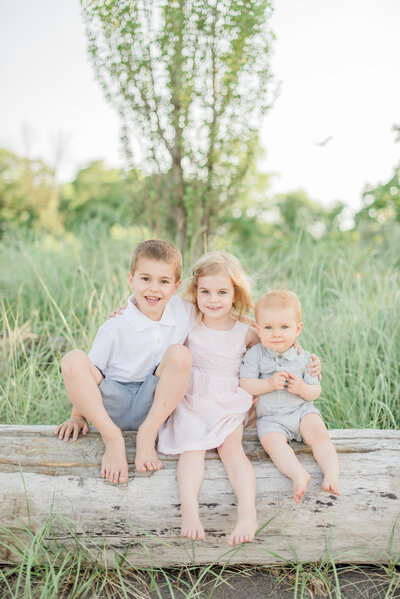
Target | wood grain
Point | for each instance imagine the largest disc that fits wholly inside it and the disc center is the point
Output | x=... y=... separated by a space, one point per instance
x=44 y=481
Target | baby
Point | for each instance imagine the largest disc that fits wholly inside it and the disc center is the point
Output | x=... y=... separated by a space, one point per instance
x=275 y=372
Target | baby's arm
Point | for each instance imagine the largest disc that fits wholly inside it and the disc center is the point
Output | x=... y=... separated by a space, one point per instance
x=250 y=372
x=307 y=391
x=256 y=386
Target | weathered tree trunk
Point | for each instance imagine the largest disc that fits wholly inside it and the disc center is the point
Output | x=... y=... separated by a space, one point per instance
x=42 y=477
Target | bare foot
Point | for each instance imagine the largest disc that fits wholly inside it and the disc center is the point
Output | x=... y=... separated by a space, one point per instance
x=330 y=484
x=114 y=466
x=191 y=526
x=146 y=457
x=300 y=485
x=244 y=530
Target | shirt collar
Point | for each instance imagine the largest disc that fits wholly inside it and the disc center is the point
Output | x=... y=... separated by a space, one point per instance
x=141 y=322
x=290 y=354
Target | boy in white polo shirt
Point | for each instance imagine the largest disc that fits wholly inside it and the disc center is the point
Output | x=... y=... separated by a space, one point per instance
x=138 y=369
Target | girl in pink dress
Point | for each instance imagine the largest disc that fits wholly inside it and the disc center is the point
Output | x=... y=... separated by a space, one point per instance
x=213 y=412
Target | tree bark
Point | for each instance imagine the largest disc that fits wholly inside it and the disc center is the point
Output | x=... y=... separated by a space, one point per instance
x=44 y=480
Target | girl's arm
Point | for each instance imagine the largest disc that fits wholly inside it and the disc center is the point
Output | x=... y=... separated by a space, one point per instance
x=252 y=337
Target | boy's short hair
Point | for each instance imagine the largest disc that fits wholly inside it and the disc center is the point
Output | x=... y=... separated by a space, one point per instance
x=158 y=250
x=279 y=298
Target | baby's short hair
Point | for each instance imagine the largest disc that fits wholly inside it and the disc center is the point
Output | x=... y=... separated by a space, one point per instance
x=158 y=250
x=279 y=298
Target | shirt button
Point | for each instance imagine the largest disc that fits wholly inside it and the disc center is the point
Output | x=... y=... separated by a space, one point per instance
x=280 y=356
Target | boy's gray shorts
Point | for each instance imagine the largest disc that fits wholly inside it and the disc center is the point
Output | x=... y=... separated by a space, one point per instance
x=128 y=404
x=288 y=423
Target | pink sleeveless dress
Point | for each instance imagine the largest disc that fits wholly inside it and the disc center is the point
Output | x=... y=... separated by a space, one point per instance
x=214 y=405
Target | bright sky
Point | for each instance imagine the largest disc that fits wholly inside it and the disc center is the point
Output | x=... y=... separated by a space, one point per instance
x=337 y=61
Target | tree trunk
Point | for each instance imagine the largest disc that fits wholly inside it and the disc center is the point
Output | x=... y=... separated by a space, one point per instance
x=43 y=480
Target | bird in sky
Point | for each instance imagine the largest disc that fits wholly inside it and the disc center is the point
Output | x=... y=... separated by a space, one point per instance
x=324 y=141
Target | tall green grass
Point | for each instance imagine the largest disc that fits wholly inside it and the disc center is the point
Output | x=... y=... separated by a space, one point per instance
x=63 y=289
x=56 y=292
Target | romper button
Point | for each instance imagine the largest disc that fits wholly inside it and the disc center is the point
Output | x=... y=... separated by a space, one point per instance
x=280 y=356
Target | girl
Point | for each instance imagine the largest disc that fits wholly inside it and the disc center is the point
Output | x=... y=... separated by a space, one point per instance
x=212 y=413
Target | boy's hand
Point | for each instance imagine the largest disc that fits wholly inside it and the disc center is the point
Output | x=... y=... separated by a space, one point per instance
x=117 y=312
x=73 y=426
x=314 y=369
x=278 y=380
x=294 y=384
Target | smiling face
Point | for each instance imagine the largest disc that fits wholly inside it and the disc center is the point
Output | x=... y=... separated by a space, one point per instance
x=215 y=296
x=153 y=283
x=278 y=328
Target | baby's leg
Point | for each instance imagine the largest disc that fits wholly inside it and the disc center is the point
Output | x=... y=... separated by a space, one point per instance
x=174 y=374
x=190 y=477
x=284 y=458
x=82 y=381
x=315 y=434
x=242 y=478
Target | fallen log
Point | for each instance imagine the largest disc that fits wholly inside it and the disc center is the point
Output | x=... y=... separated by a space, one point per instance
x=55 y=487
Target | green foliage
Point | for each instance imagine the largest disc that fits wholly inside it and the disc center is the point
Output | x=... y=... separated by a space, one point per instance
x=58 y=291
x=190 y=80
x=28 y=195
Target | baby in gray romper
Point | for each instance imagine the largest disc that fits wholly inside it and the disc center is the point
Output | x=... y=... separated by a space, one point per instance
x=275 y=372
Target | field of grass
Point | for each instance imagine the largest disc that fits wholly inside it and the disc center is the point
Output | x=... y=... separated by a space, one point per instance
x=56 y=292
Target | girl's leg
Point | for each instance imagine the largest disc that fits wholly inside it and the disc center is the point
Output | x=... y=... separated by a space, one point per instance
x=82 y=380
x=284 y=458
x=174 y=373
x=190 y=477
x=242 y=478
x=315 y=434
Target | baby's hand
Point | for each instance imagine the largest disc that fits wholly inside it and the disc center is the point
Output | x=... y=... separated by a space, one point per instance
x=294 y=383
x=117 y=312
x=278 y=380
x=73 y=425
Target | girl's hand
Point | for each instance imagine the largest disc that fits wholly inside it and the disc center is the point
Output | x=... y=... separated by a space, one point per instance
x=73 y=426
x=294 y=384
x=117 y=312
x=314 y=369
x=278 y=380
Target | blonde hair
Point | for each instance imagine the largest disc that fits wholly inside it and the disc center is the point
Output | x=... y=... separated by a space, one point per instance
x=160 y=251
x=279 y=298
x=215 y=263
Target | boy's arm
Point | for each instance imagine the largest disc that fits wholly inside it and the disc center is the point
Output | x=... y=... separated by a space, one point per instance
x=73 y=426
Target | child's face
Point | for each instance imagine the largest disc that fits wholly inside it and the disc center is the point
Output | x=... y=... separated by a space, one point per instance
x=215 y=295
x=278 y=328
x=153 y=283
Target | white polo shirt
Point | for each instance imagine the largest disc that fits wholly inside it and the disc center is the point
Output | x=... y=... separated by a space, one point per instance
x=128 y=347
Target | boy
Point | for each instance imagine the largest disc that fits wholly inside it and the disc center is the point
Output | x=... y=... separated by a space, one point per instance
x=285 y=411
x=137 y=370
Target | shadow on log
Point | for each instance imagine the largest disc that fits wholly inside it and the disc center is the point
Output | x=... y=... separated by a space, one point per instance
x=55 y=487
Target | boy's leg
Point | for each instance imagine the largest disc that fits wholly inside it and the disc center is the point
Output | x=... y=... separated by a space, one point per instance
x=82 y=379
x=190 y=477
x=284 y=458
x=242 y=478
x=315 y=434
x=174 y=374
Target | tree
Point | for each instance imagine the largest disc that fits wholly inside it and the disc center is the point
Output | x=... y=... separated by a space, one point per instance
x=381 y=205
x=189 y=80
x=29 y=196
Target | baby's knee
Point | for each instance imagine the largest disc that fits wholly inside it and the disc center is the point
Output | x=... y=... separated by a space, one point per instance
x=271 y=441
x=73 y=362
x=180 y=356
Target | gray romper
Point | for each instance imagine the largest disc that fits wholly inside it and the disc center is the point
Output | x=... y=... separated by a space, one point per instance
x=279 y=411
